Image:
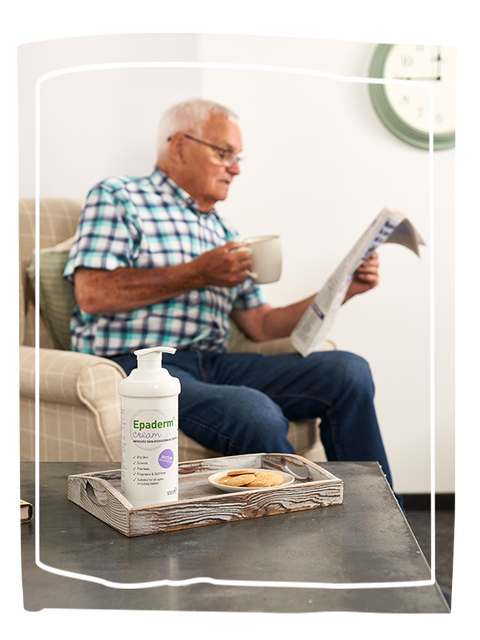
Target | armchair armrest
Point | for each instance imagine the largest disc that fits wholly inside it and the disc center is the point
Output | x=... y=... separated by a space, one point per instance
x=69 y=378
x=273 y=347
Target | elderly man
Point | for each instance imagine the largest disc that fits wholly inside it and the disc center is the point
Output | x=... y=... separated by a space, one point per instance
x=153 y=263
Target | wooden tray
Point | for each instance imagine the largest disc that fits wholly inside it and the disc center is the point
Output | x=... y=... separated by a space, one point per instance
x=200 y=503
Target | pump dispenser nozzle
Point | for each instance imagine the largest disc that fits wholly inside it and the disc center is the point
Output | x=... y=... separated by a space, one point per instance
x=150 y=379
x=151 y=358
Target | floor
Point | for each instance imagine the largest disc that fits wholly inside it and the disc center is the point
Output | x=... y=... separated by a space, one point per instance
x=419 y=521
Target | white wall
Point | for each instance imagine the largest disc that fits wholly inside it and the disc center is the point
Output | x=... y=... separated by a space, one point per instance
x=319 y=166
x=95 y=123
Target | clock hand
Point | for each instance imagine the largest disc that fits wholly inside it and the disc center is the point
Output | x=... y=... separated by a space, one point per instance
x=419 y=78
x=439 y=60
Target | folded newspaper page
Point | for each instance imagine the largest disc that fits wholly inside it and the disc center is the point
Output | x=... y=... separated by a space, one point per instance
x=389 y=226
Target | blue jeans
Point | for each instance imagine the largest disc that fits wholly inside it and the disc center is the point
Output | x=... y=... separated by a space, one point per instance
x=242 y=402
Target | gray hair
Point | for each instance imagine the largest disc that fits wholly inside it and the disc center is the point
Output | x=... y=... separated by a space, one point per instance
x=188 y=116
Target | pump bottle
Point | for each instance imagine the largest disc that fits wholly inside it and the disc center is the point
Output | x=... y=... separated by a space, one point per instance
x=149 y=418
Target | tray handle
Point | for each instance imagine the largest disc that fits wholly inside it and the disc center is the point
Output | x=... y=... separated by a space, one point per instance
x=98 y=496
x=297 y=466
x=101 y=493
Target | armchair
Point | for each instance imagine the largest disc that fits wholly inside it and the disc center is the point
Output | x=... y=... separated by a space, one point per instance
x=79 y=404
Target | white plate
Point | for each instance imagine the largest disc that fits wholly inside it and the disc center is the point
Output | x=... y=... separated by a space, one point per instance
x=213 y=480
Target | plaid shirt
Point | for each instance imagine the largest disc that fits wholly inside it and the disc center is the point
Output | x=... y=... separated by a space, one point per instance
x=151 y=222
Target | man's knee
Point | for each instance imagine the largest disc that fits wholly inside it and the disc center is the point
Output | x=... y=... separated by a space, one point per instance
x=258 y=423
x=357 y=369
x=255 y=409
x=350 y=371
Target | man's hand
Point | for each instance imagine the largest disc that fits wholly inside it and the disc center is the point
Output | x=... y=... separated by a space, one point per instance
x=224 y=266
x=365 y=278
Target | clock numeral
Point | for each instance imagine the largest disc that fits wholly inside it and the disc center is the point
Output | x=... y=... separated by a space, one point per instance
x=439 y=117
x=406 y=60
x=420 y=111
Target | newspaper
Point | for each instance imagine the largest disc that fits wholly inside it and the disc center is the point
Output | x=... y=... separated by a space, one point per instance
x=389 y=226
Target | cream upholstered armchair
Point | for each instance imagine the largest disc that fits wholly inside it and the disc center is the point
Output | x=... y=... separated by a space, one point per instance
x=79 y=404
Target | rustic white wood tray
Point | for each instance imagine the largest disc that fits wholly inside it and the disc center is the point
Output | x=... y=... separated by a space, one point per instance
x=201 y=504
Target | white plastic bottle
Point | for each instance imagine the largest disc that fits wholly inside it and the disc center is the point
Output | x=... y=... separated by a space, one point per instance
x=150 y=431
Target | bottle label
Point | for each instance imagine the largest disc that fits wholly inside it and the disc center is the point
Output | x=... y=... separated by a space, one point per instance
x=151 y=429
x=149 y=455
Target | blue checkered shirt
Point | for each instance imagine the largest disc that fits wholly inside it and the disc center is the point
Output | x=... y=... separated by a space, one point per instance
x=151 y=222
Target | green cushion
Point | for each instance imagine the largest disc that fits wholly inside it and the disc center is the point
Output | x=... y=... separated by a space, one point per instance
x=57 y=299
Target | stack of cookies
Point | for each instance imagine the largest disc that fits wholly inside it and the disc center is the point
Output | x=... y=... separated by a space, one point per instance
x=251 y=478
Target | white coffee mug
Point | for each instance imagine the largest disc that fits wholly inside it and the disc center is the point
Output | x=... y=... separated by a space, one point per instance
x=266 y=256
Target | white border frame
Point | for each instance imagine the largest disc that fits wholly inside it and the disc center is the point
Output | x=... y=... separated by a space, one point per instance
x=242 y=583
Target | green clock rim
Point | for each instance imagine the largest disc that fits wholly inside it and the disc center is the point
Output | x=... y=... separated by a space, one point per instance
x=390 y=118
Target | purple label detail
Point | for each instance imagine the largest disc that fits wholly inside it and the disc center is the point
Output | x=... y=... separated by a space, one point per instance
x=166 y=458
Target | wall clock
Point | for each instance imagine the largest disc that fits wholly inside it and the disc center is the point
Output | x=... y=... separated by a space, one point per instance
x=404 y=109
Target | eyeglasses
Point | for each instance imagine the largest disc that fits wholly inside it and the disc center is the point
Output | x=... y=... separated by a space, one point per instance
x=227 y=157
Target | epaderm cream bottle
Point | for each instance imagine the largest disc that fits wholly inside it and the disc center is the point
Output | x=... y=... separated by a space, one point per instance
x=149 y=418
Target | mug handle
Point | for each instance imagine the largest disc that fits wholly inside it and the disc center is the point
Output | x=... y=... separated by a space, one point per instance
x=252 y=274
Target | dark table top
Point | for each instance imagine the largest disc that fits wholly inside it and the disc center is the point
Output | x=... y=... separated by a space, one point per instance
x=301 y=561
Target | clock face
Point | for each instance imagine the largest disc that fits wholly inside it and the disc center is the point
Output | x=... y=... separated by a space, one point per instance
x=436 y=62
x=405 y=108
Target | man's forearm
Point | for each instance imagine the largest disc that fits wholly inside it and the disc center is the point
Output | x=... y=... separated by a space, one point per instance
x=269 y=323
x=98 y=291
x=126 y=289
x=281 y=321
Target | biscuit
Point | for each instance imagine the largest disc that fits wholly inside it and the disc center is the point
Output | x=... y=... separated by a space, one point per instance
x=239 y=472
x=237 y=481
x=266 y=479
